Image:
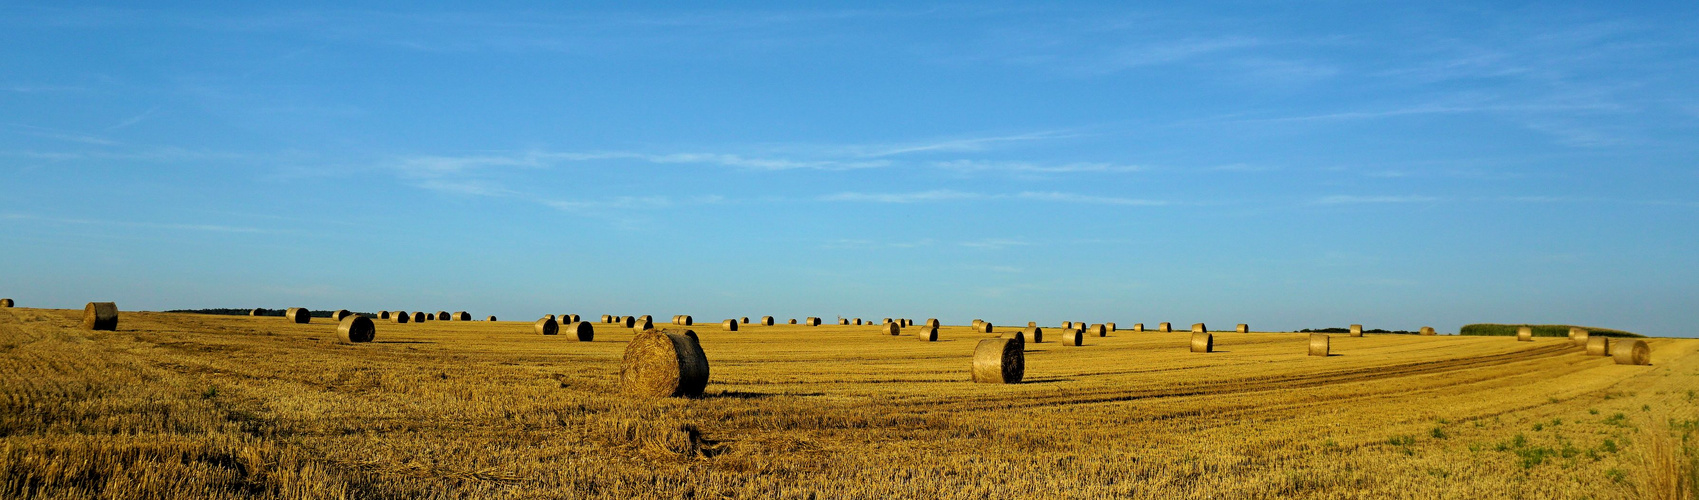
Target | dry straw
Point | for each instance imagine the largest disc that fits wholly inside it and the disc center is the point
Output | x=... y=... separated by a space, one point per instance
x=1164 y=327
x=299 y=315
x=766 y=321
x=1199 y=328
x=1356 y=330
x=462 y=316
x=341 y=314
x=999 y=361
x=355 y=329
x=491 y=318
x=1319 y=344
x=1525 y=334
x=1100 y=330
x=1242 y=328
x=1034 y=334
x=582 y=330
x=1579 y=336
x=663 y=364
x=1203 y=342
x=547 y=326
x=401 y=316
x=100 y=316
x=7 y=303
x=1598 y=345
x=729 y=325
x=1631 y=352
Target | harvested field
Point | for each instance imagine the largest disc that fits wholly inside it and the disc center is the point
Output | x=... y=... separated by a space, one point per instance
x=195 y=406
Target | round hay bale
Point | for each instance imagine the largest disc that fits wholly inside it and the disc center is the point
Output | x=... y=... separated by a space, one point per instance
x=491 y=318
x=299 y=315
x=341 y=314
x=607 y=318
x=984 y=327
x=1138 y=327
x=976 y=322
x=675 y=319
x=582 y=330
x=766 y=321
x=891 y=328
x=1018 y=335
x=1199 y=328
x=355 y=329
x=813 y=321
x=1203 y=342
x=907 y=323
x=858 y=322
x=925 y=333
x=744 y=321
x=1524 y=334
x=1100 y=330
x=1034 y=334
x=933 y=322
x=646 y=319
x=641 y=324
x=686 y=320
x=401 y=316
x=1319 y=344
x=999 y=361
x=664 y=364
x=1631 y=352
x=729 y=325
x=1067 y=324
x=7 y=303
x=1242 y=328
x=100 y=316
x=843 y=322
x=251 y=312
x=1598 y=345
x=383 y=314
x=1428 y=330
x=547 y=326
x=462 y=316
x=421 y=317
x=1356 y=330
x=627 y=321
x=1111 y=327
x=1164 y=328
x=1073 y=337
x=1579 y=336
x=793 y=321
x=441 y=316
x=1032 y=324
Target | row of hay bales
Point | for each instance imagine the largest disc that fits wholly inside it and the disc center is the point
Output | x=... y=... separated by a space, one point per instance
x=1625 y=351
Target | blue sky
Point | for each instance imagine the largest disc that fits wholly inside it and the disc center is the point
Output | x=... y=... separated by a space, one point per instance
x=1286 y=165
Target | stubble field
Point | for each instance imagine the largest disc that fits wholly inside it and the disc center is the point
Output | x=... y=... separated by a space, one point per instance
x=183 y=405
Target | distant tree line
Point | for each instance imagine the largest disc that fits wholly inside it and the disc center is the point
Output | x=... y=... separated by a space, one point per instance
x=263 y=312
x=1348 y=330
x=1498 y=330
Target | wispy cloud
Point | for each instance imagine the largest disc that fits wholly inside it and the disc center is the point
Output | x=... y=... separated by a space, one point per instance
x=952 y=195
x=1034 y=168
x=995 y=243
x=1353 y=199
